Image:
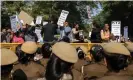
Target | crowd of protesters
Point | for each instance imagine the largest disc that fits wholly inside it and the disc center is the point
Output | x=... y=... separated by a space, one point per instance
x=48 y=32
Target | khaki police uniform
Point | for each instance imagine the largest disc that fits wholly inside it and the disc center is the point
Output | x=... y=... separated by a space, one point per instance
x=116 y=48
x=8 y=57
x=129 y=46
x=95 y=69
x=44 y=61
x=32 y=69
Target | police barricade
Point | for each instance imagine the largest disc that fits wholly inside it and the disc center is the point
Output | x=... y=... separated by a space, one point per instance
x=12 y=46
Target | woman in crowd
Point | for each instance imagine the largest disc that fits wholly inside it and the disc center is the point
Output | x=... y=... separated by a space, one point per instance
x=97 y=67
x=61 y=61
x=105 y=33
x=75 y=31
x=18 y=37
x=32 y=69
x=30 y=35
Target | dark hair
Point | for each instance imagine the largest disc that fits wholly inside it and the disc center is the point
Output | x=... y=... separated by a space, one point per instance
x=19 y=75
x=116 y=62
x=46 y=50
x=22 y=56
x=56 y=68
x=5 y=70
x=18 y=33
x=80 y=53
x=97 y=52
x=65 y=39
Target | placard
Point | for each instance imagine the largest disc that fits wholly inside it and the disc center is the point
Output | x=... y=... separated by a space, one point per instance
x=126 y=33
x=27 y=19
x=116 y=28
x=38 y=19
x=38 y=33
x=13 y=21
x=62 y=17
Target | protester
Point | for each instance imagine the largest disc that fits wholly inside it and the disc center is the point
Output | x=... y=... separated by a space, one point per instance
x=30 y=35
x=105 y=33
x=112 y=38
x=48 y=31
x=18 y=37
x=8 y=36
x=32 y=69
x=3 y=35
x=65 y=31
x=75 y=31
x=60 y=63
x=97 y=68
x=95 y=34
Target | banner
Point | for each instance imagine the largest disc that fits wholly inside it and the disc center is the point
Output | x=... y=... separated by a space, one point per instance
x=38 y=19
x=62 y=17
x=126 y=33
x=116 y=28
x=13 y=21
x=27 y=19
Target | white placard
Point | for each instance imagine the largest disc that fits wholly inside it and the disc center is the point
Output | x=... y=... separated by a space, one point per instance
x=62 y=17
x=13 y=20
x=38 y=33
x=126 y=33
x=38 y=19
x=116 y=28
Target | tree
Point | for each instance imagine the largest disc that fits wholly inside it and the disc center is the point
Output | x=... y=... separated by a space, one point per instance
x=117 y=10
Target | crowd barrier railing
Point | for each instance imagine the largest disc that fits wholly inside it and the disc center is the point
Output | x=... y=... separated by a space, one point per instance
x=12 y=46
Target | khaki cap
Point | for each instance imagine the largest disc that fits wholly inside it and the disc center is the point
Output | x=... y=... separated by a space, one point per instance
x=116 y=48
x=65 y=51
x=8 y=57
x=29 y=47
x=129 y=46
x=85 y=50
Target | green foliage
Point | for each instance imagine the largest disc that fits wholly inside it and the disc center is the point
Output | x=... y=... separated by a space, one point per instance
x=47 y=9
x=116 y=10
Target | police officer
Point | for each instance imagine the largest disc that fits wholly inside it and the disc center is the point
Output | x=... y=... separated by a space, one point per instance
x=97 y=67
x=129 y=46
x=116 y=56
x=82 y=51
x=31 y=69
x=8 y=57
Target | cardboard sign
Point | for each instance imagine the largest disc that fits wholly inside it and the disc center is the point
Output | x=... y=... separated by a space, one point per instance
x=62 y=17
x=38 y=33
x=32 y=23
x=116 y=28
x=13 y=20
x=126 y=33
x=27 y=19
x=38 y=19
